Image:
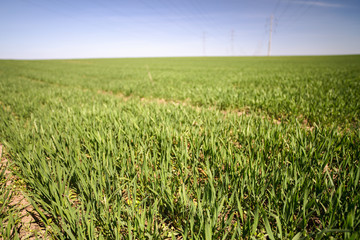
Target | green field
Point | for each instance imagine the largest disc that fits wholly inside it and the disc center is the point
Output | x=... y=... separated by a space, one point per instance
x=185 y=148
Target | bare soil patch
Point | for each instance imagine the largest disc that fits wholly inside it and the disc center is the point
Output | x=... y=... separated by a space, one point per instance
x=29 y=226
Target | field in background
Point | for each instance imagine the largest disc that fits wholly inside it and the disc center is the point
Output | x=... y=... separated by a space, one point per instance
x=192 y=148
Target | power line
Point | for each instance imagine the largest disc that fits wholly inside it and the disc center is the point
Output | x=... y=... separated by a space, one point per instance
x=181 y=26
x=270 y=33
x=276 y=7
x=297 y=14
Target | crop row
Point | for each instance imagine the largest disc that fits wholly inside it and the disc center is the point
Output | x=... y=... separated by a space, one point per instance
x=101 y=168
x=313 y=89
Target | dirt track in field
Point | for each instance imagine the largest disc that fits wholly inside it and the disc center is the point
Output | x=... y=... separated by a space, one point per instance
x=29 y=226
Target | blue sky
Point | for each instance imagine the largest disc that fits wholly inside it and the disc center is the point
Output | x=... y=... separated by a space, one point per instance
x=48 y=29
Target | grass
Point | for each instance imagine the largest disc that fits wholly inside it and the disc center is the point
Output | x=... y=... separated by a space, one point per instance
x=104 y=158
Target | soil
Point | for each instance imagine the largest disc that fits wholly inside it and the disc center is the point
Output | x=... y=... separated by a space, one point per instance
x=29 y=226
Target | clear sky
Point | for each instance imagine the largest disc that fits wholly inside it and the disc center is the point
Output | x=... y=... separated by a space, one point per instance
x=43 y=29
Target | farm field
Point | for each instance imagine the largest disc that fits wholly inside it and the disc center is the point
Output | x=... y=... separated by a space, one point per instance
x=184 y=148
